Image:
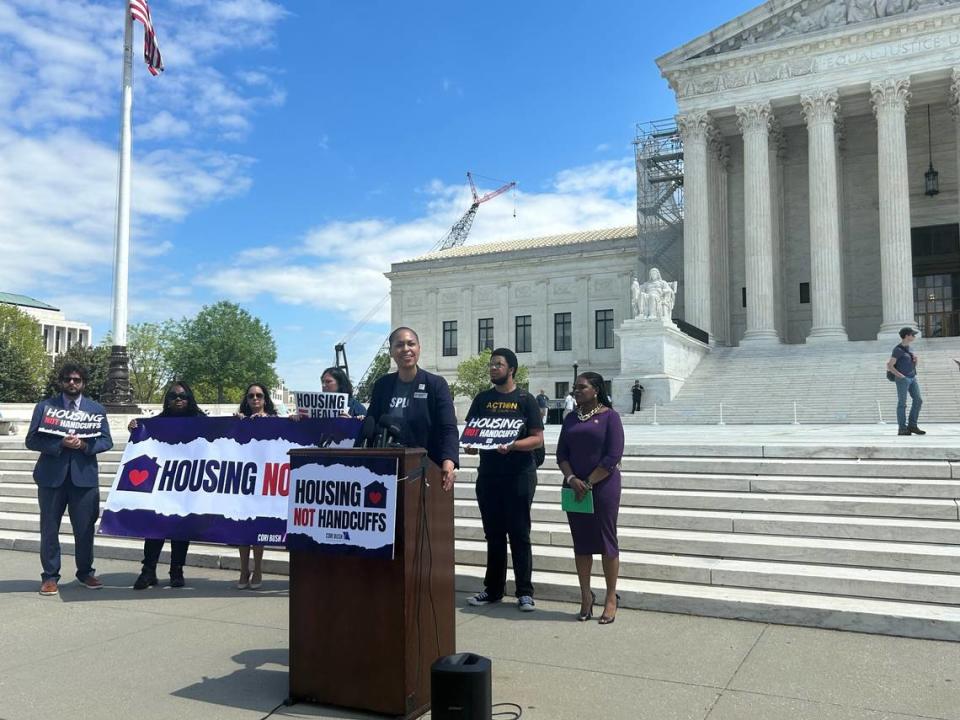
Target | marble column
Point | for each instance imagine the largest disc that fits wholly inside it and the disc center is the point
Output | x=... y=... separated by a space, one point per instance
x=826 y=281
x=719 y=240
x=754 y=121
x=777 y=151
x=695 y=130
x=890 y=99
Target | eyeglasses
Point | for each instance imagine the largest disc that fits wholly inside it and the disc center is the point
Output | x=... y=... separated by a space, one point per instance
x=496 y=366
x=254 y=396
x=177 y=396
x=73 y=379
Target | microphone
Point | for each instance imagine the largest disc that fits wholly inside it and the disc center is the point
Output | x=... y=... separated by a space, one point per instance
x=367 y=434
x=391 y=431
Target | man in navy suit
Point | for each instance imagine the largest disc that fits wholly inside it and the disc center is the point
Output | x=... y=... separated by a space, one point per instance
x=67 y=478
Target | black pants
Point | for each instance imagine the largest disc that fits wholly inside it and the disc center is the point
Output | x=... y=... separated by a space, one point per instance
x=636 y=403
x=152 y=548
x=83 y=503
x=505 y=510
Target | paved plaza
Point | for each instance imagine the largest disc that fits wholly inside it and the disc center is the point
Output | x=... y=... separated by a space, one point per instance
x=210 y=651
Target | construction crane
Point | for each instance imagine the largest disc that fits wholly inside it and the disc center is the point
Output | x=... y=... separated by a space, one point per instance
x=455 y=238
x=458 y=233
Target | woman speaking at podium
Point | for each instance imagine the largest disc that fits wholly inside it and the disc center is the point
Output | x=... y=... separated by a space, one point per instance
x=421 y=404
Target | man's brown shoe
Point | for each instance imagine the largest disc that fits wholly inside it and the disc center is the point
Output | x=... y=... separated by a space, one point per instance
x=90 y=582
x=49 y=587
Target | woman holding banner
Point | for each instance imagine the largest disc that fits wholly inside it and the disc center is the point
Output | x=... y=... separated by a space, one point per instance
x=420 y=404
x=588 y=453
x=256 y=403
x=178 y=401
x=335 y=380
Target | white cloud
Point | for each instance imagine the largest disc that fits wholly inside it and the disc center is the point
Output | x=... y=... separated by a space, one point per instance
x=161 y=126
x=338 y=266
x=618 y=176
x=59 y=102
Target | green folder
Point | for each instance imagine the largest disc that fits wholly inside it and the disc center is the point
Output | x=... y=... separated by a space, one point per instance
x=568 y=501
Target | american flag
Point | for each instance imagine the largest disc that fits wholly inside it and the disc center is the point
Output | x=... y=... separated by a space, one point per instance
x=151 y=51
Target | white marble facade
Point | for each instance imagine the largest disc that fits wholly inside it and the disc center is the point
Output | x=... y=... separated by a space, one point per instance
x=581 y=274
x=782 y=112
x=805 y=145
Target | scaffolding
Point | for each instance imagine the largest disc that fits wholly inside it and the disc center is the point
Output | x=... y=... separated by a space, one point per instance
x=659 y=158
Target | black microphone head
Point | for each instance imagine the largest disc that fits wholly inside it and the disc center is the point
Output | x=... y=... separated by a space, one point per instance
x=367 y=432
x=393 y=426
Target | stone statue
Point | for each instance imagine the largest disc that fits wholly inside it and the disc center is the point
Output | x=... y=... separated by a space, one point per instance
x=861 y=10
x=654 y=299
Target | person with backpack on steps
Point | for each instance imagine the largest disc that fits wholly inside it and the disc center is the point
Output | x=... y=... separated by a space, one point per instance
x=506 y=482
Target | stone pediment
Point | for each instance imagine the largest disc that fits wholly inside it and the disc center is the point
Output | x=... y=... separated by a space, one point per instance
x=786 y=19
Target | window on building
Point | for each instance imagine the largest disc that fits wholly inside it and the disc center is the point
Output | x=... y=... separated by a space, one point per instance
x=524 y=334
x=562 y=331
x=604 y=327
x=743 y=297
x=560 y=390
x=805 y=293
x=449 y=338
x=485 y=334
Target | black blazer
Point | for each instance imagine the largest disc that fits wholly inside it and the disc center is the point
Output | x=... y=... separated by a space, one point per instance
x=430 y=422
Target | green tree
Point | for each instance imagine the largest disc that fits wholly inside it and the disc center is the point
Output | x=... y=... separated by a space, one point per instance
x=221 y=350
x=23 y=362
x=378 y=368
x=96 y=361
x=148 y=345
x=473 y=376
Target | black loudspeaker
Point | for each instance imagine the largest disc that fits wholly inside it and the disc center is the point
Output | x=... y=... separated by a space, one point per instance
x=461 y=688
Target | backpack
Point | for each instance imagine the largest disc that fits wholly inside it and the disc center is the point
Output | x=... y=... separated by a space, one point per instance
x=540 y=453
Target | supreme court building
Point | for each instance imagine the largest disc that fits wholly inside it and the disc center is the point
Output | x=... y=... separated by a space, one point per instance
x=820 y=182
x=806 y=143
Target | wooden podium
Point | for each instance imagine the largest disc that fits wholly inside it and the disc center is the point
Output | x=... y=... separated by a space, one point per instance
x=364 y=631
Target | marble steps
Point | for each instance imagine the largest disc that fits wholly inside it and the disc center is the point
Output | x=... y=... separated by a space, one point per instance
x=822 y=485
x=834 y=611
x=885 y=617
x=846 y=581
x=841 y=383
x=774 y=548
x=925 y=508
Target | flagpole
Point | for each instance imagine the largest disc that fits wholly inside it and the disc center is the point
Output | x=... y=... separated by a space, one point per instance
x=117 y=394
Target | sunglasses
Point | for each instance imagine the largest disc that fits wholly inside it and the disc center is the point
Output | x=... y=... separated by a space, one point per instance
x=74 y=379
x=582 y=387
x=177 y=396
x=254 y=396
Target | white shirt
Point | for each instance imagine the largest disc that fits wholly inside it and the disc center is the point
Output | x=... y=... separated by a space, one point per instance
x=568 y=403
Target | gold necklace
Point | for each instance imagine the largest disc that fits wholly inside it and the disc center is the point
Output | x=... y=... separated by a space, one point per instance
x=583 y=418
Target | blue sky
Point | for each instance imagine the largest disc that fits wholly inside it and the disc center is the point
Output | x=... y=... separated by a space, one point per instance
x=293 y=150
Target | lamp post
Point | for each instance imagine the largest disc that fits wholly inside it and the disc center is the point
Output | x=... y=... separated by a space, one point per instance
x=575 y=366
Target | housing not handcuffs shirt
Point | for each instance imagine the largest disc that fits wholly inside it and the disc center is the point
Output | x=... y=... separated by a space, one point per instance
x=515 y=404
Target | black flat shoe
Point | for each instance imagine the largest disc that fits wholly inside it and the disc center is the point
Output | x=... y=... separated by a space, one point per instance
x=916 y=431
x=583 y=617
x=176 y=577
x=606 y=619
x=145 y=580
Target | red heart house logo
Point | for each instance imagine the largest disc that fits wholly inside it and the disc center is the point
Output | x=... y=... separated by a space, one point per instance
x=138 y=477
x=376 y=497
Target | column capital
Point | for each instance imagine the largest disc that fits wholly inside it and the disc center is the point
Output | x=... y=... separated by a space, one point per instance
x=754 y=118
x=694 y=127
x=890 y=94
x=778 y=139
x=820 y=106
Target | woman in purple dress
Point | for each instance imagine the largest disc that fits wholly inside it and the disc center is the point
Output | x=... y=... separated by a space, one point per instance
x=588 y=453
